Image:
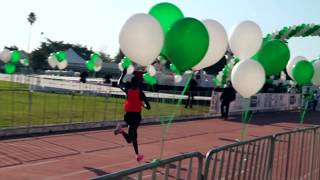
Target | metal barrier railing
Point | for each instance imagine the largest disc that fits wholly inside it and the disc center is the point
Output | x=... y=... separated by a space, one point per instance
x=288 y=155
x=295 y=155
x=241 y=160
x=283 y=156
x=178 y=167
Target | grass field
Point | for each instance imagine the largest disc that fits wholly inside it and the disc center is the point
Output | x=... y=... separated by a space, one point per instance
x=19 y=107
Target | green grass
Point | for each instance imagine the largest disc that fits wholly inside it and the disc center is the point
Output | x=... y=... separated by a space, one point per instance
x=20 y=108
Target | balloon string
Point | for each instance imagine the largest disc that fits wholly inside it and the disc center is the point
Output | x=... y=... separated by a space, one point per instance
x=166 y=122
x=246 y=116
x=303 y=113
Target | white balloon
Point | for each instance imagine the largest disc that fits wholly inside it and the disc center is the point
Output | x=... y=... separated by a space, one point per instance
x=120 y=67
x=5 y=55
x=316 y=76
x=62 y=65
x=151 y=70
x=248 y=77
x=292 y=62
x=52 y=61
x=98 y=62
x=141 y=39
x=245 y=39
x=218 y=44
x=188 y=72
x=97 y=68
x=130 y=69
x=177 y=78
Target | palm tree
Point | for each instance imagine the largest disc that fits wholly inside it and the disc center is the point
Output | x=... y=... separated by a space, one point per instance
x=31 y=19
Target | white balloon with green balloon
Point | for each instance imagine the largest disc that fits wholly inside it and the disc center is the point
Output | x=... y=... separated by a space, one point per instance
x=245 y=39
x=218 y=44
x=248 y=77
x=141 y=39
x=292 y=62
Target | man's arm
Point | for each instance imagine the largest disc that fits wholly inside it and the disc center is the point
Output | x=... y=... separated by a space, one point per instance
x=145 y=101
x=120 y=83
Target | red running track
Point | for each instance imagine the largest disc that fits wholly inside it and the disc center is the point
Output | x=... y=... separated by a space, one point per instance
x=84 y=155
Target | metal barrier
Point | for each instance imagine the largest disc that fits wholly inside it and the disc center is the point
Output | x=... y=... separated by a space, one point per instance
x=283 y=156
x=241 y=160
x=296 y=155
x=178 y=167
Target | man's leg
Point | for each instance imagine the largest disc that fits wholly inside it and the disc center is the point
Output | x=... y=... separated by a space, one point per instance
x=133 y=134
x=227 y=110
x=222 y=109
x=191 y=100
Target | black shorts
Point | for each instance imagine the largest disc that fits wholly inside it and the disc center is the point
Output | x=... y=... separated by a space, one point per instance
x=132 y=118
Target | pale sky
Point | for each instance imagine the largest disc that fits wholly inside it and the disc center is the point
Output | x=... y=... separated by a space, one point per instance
x=97 y=23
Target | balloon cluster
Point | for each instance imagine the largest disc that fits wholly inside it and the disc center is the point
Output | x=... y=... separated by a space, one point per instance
x=302 y=30
x=126 y=63
x=304 y=71
x=58 y=59
x=247 y=76
x=11 y=58
x=187 y=43
x=224 y=75
x=299 y=68
x=94 y=64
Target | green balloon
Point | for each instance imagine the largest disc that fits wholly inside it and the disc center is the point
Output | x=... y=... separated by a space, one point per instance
x=26 y=62
x=61 y=56
x=126 y=62
x=186 y=43
x=273 y=56
x=9 y=68
x=303 y=72
x=15 y=56
x=167 y=14
x=215 y=81
x=90 y=65
x=94 y=57
x=149 y=79
x=174 y=69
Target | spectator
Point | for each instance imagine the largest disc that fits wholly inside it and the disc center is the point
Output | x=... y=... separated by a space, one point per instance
x=191 y=92
x=316 y=97
x=228 y=95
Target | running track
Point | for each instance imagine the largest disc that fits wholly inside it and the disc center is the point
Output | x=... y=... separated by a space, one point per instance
x=84 y=155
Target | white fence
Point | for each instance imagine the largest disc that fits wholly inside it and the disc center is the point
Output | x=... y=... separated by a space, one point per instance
x=47 y=83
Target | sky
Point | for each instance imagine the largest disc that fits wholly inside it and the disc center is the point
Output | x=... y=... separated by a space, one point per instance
x=97 y=23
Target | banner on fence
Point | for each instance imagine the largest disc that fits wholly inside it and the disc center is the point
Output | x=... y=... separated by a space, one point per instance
x=259 y=102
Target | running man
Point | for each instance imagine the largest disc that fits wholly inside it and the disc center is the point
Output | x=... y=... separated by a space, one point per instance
x=135 y=99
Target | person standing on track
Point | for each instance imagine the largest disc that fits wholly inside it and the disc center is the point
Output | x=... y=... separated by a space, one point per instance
x=228 y=95
x=135 y=99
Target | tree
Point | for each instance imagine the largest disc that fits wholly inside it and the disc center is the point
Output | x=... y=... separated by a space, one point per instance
x=119 y=56
x=41 y=54
x=31 y=19
x=105 y=57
